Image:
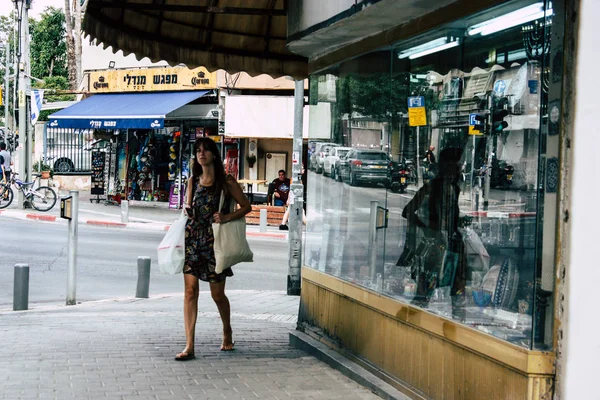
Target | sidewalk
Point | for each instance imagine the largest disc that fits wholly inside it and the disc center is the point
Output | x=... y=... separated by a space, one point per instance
x=124 y=349
x=98 y=214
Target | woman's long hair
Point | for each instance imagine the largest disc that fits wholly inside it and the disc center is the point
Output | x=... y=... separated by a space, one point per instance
x=209 y=145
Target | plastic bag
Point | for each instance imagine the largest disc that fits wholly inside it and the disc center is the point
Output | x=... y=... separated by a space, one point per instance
x=171 y=250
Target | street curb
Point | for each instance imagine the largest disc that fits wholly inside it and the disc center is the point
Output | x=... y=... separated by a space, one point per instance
x=106 y=223
x=346 y=367
x=40 y=217
x=267 y=234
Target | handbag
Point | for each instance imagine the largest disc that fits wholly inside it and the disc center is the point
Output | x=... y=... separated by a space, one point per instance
x=230 y=246
x=171 y=250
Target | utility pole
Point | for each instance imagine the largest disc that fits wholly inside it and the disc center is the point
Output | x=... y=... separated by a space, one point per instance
x=297 y=188
x=6 y=99
x=23 y=57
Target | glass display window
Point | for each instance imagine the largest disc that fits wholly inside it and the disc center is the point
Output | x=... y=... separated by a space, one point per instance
x=425 y=179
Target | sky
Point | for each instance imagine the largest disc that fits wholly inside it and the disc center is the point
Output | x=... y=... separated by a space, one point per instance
x=37 y=6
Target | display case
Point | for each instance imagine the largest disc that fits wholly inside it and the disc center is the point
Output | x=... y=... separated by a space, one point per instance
x=461 y=114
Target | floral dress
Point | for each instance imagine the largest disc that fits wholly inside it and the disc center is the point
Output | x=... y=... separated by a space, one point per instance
x=199 y=238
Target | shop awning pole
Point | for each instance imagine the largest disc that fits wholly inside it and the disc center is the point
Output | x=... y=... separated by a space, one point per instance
x=297 y=188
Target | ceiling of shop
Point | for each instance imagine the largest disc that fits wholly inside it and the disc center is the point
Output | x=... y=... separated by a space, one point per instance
x=234 y=35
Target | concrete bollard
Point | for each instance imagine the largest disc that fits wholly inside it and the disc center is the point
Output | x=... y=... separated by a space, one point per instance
x=21 y=287
x=124 y=211
x=263 y=220
x=143 y=282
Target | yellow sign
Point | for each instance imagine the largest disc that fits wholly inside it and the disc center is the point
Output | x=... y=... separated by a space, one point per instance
x=2 y=102
x=416 y=116
x=474 y=132
x=21 y=98
x=151 y=80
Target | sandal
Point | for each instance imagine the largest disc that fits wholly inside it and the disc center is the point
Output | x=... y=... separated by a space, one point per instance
x=227 y=347
x=184 y=356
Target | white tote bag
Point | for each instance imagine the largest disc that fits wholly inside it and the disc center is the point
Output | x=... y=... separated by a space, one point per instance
x=231 y=246
x=171 y=250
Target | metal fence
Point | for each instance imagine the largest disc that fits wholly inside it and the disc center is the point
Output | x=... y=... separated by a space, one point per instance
x=68 y=151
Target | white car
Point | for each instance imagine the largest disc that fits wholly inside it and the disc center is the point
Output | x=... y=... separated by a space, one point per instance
x=332 y=159
x=318 y=156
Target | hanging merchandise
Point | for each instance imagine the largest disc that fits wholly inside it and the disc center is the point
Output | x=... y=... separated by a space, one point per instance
x=173 y=152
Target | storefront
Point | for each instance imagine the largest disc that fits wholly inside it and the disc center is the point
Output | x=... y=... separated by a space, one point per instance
x=449 y=287
x=266 y=126
x=460 y=290
x=150 y=120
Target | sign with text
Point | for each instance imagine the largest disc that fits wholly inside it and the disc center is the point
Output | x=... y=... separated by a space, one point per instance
x=416 y=111
x=151 y=80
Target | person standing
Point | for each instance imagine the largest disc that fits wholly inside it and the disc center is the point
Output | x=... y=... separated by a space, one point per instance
x=282 y=188
x=202 y=208
x=429 y=156
x=6 y=164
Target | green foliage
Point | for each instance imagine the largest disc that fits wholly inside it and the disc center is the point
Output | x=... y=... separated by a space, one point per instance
x=380 y=96
x=48 y=44
x=42 y=166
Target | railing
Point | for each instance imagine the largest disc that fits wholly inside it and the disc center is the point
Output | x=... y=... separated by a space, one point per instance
x=68 y=151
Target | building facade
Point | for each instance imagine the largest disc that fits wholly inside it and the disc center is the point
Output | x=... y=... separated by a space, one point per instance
x=449 y=289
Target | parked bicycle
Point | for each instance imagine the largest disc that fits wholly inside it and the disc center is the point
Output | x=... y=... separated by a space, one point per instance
x=42 y=198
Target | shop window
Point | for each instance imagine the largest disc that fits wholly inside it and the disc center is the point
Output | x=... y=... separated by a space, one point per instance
x=443 y=135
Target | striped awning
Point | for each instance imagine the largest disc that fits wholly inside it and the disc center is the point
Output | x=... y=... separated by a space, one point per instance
x=233 y=35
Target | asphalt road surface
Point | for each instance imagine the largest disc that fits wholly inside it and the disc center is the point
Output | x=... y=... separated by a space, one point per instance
x=107 y=262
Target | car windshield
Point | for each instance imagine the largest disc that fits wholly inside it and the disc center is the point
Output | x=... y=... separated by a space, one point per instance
x=342 y=153
x=372 y=156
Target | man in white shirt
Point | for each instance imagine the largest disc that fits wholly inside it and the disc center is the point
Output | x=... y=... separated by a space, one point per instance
x=6 y=165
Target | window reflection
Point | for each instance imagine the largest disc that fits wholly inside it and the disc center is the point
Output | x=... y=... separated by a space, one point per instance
x=461 y=190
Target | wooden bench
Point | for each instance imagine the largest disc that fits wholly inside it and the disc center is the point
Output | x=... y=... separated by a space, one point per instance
x=274 y=214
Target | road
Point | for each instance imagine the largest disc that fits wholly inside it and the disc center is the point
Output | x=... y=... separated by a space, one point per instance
x=338 y=228
x=107 y=262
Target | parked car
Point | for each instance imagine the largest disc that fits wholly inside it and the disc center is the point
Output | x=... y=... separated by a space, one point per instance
x=365 y=166
x=66 y=158
x=317 y=158
x=332 y=158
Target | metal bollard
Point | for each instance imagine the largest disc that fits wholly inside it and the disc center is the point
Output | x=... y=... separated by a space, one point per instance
x=21 y=287
x=124 y=211
x=263 y=220
x=143 y=282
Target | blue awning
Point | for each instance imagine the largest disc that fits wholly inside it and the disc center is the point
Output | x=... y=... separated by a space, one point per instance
x=123 y=110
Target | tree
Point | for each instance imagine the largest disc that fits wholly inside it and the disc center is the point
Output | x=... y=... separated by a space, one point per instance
x=48 y=44
x=73 y=9
x=7 y=33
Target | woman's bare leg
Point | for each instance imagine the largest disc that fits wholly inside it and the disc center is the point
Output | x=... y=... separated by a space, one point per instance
x=190 y=312
x=217 y=290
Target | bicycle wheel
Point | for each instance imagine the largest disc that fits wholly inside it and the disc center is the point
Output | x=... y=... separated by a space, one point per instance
x=6 y=196
x=43 y=198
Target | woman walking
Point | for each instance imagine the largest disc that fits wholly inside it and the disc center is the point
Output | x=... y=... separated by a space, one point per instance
x=202 y=202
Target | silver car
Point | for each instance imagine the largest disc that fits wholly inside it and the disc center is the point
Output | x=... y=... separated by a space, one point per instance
x=318 y=157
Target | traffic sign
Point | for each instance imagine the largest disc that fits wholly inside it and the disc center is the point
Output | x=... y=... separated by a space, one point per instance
x=416 y=111
x=472 y=122
x=499 y=87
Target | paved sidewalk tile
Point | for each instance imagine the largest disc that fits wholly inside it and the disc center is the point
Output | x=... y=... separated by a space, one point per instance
x=124 y=349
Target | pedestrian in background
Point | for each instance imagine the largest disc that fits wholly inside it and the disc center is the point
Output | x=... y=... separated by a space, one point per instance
x=282 y=188
x=6 y=162
x=202 y=208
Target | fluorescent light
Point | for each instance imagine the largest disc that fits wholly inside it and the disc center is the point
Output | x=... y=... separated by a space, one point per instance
x=435 y=50
x=422 y=47
x=515 y=18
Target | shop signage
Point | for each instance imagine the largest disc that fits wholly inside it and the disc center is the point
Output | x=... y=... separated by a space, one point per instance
x=151 y=80
x=472 y=123
x=416 y=111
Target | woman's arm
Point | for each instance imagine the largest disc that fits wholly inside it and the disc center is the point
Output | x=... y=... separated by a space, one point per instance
x=233 y=187
x=189 y=192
